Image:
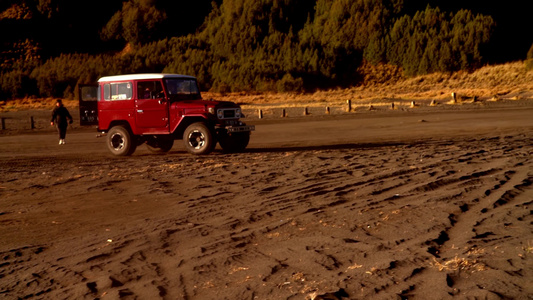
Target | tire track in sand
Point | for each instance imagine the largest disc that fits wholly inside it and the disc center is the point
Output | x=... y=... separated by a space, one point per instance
x=369 y=222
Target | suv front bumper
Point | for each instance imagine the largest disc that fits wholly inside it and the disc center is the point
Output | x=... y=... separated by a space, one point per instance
x=243 y=128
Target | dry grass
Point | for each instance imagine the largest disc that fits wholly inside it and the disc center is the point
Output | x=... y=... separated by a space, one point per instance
x=460 y=264
x=528 y=249
x=34 y=104
x=508 y=81
x=381 y=86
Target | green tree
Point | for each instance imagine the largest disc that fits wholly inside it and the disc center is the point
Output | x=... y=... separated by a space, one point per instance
x=249 y=41
x=529 y=60
x=136 y=23
x=434 y=41
x=468 y=34
x=343 y=31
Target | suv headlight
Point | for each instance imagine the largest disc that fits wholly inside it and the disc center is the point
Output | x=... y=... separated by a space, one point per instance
x=211 y=110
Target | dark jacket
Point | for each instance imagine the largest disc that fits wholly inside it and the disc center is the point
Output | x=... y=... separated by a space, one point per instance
x=61 y=117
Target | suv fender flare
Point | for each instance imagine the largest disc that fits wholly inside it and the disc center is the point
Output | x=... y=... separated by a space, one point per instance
x=186 y=121
x=123 y=123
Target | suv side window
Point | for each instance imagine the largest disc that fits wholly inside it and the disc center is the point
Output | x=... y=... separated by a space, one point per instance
x=149 y=89
x=182 y=89
x=118 y=91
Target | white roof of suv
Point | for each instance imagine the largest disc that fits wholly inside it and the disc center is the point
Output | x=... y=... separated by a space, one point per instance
x=143 y=77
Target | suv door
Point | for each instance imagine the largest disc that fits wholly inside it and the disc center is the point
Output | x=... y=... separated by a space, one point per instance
x=151 y=107
x=88 y=104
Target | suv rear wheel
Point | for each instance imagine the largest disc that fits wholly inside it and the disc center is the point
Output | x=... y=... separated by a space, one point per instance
x=199 y=139
x=120 y=141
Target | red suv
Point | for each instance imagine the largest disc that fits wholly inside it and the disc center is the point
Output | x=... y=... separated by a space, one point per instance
x=157 y=109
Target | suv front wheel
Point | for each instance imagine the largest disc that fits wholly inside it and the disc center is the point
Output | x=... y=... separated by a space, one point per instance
x=199 y=139
x=120 y=141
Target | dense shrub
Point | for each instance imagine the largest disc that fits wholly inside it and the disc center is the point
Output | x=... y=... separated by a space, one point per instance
x=16 y=84
x=290 y=84
x=60 y=76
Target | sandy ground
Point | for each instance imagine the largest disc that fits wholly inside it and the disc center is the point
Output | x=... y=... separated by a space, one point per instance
x=429 y=203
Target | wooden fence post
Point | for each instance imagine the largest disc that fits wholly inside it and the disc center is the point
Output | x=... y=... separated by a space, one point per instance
x=349 y=108
x=32 y=123
x=260 y=114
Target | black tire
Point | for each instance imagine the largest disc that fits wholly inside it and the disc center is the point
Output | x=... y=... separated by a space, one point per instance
x=234 y=142
x=199 y=139
x=160 y=144
x=120 y=141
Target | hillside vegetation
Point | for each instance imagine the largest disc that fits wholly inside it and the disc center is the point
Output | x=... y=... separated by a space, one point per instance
x=508 y=81
x=252 y=46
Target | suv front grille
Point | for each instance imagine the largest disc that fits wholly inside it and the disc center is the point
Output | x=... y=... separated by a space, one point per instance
x=229 y=113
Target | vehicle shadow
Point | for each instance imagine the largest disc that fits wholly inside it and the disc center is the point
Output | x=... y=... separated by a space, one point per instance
x=326 y=147
x=282 y=149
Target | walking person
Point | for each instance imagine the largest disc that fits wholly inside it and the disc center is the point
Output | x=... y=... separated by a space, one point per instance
x=61 y=118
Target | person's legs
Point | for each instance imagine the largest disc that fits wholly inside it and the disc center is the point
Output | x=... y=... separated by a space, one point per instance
x=62 y=133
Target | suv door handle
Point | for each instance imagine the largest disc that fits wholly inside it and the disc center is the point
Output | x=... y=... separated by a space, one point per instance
x=140 y=111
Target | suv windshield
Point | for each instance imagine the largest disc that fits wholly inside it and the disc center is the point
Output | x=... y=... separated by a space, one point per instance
x=182 y=89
